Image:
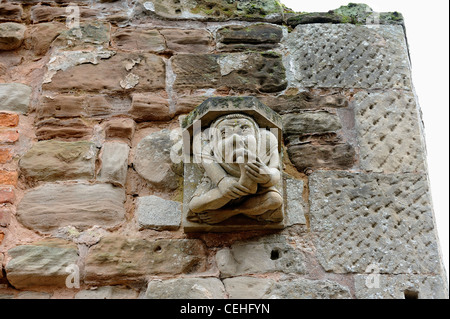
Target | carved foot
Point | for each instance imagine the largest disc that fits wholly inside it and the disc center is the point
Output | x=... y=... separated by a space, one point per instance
x=215 y=217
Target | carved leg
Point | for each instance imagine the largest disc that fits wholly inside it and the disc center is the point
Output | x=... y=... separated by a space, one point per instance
x=254 y=206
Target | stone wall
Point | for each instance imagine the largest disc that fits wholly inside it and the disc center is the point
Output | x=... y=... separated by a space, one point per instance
x=89 y=116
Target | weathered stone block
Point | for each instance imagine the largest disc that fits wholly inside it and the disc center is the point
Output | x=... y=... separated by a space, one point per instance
x=400 y=287
x=188 y=41
x=9 y=119
x=215 y=10
x=116 y=259
x=308 y=156
x=304 y=101
x=319 y=122
x=105 y=71
x=156 y=213
x=114 y=163
x=185 y=288
x=67 y=105
x=44 y=13
x=152 y=160
x=295 y=206
x=10 y=12
x=349 y=56
x=33 y=295
x=85 y=36
x=253 y=37
x=121 y=128
x=269 y=254
x=389 y=132
x=55 y=160
x=63 y=129
x=15 y=97
x=41 y=263
x=373 y=219
x=42 y=35
x=307 y=289
x=8 y=177
x=241 y=71
x=293 y=288
x=139 y=40
x=149 y=107
x=11 y=35
x=247 y=287
x=108 y=292
x=52 y=206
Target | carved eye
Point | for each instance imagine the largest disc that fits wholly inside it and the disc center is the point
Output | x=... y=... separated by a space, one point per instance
x=245 y=128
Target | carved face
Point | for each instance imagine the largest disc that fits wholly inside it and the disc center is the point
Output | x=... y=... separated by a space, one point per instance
x=236 y=138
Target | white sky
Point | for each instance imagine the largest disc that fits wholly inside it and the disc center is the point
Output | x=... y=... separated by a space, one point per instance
x=427 y=29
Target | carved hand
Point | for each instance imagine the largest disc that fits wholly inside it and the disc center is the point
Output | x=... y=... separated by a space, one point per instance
x=258 y=172
x=230 y=188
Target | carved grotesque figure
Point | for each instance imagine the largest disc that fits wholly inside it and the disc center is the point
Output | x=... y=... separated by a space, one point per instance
x=241 y=166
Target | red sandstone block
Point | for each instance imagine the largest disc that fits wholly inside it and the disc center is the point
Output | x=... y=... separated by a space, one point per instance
x=7 y=195
x=5 y=156
x=5 y=215
x=8 y=178
x=9 y=136
x=9 y=119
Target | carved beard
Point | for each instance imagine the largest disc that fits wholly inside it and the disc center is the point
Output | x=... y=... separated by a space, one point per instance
x=227 y=151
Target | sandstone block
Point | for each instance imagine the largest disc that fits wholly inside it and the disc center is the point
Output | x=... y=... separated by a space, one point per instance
x=187 y=40
x=67 y=105
x=9 y=136
x=152 y=160
x=139 y=40
x=117 y=260
x=309 y=156
x=241 y=71
x=15 y=97
x=389 y=132
x=156 y=213
x=105 y=72
x=11 y=35
x=253 y=37
x=114 y=163
x=85 y=36
x=247 y=287
x=43 y=13
x=5 y=156
x=307 y=289
x=107 y=292
x=62 y=129
x=366 y=219
x=295 y=206
x=8 y=177
x=149 y=107
x=212 y=10
x=5 y=217
x=41 y=264
x=271 y=254
x=9 y=119
x=52 y=206
x=33 y=295
x=401 y=287
x=304 y=101
x=7 y=196
x=349 y=56
x=10 y=12
x=121 y=128
x=55 y=160
x=320 y=122
x=185 y=288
